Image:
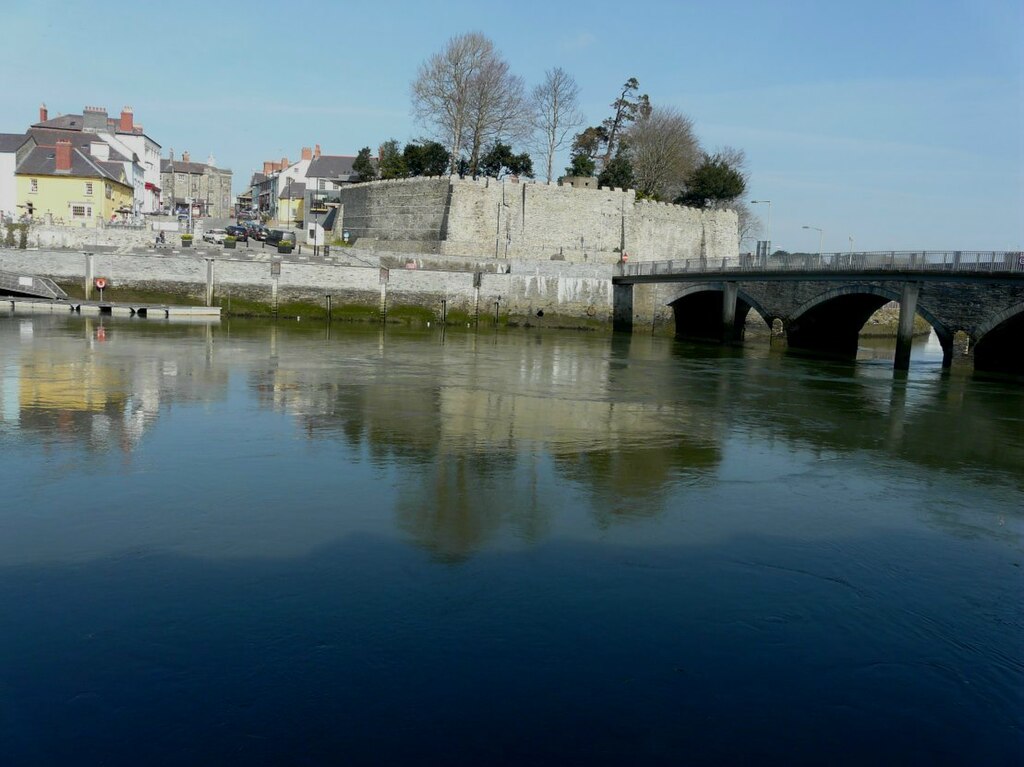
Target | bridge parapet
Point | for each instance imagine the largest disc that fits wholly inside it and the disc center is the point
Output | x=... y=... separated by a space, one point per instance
x=901 y=262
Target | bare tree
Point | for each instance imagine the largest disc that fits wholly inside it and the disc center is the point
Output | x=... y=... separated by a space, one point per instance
x=497 y=109
x=467 y=97
x=663 y=152
x=555 y=114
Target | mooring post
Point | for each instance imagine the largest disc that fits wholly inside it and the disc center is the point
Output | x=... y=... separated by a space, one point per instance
x=328 y=307
x=729 y=292
x=905 y=332
x=90 y=270
x=209 y=282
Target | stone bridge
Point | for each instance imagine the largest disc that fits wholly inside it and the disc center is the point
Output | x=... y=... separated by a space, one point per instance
x=823 y=301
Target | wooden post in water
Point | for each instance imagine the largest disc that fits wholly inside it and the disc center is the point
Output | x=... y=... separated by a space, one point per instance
x=905 y=331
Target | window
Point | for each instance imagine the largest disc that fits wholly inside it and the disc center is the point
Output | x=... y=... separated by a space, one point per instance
x=78 y=211
x=88 y=189
x=321 y=184
x=110 y=191
x=33 y=185
x=181 y=178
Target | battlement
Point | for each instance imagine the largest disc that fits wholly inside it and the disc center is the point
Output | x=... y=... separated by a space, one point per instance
x=528 y=219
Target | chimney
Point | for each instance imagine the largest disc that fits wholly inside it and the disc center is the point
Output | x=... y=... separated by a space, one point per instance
x=63 y=155
x=127 y=118
x=307 y=153
x=316 y=152
x=94 y=119
x=284 y=163
x=44 y=115
x=100 y=150
x=185 y=156
x=266 y=167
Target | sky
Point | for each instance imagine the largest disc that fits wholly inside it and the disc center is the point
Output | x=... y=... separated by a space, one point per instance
x=895 y=125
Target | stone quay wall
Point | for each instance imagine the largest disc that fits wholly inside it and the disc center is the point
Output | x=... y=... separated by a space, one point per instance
x=544 y=293
x=530 y=221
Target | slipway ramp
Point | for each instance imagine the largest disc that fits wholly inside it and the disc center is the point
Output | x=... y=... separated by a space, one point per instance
x=14 y=284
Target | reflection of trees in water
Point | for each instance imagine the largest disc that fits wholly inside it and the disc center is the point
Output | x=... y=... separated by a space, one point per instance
x=633 y=480
x=460 y=501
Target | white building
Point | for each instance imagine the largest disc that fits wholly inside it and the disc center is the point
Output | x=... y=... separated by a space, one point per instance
x=10 y=143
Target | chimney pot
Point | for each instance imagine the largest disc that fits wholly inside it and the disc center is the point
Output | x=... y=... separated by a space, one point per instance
x=127 y=118
x=185 y=156
x=316 y=152
x=44 y=114
x=307 y=153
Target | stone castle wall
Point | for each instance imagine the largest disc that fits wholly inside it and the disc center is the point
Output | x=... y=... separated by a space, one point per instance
x=531 y=221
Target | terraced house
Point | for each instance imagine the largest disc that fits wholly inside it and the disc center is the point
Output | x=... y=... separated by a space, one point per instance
x=71 y=184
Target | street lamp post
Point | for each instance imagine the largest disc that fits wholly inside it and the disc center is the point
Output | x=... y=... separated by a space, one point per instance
x=821 y=236
x=768 y=225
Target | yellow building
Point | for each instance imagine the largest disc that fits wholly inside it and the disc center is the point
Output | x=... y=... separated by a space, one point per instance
x=72 y=185
x=290 y=204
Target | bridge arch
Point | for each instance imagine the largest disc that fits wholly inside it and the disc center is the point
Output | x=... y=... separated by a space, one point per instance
x=831 y=321
x=997 y=342
x=698 y=311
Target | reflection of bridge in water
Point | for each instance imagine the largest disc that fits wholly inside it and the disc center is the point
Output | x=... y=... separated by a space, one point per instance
x=823 y=300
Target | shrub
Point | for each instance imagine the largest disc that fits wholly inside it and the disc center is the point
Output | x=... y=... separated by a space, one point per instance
x=230 y=238
x=23 y=237
x=9 y=236
x=186 y=237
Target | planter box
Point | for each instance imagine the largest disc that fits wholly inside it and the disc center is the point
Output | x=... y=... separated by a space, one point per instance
x=229 y=245
x=186 y=243
x=283 y=249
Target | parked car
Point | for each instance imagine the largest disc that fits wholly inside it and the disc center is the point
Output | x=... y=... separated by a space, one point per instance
x=277 y=235
x=238 y=232
x=258 y=231
x=215 y=236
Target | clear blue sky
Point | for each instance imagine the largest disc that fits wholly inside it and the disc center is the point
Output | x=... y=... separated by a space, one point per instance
x=897 y=123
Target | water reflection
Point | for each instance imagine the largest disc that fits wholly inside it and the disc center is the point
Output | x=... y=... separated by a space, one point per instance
x=486 y=438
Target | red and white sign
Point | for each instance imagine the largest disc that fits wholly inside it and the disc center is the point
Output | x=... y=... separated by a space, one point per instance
x=100 y=282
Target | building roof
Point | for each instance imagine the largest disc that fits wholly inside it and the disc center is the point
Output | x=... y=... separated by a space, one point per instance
x=77 y=123
x=295 y=190
x=41 y=161
x=11 y=142
x=257 y=178
x=331 y=166
x=180 y=166
x=46 y=137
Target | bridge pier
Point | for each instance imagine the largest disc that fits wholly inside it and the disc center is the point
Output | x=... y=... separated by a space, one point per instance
x=622 y=307
x=905 y=329
x=729 y=330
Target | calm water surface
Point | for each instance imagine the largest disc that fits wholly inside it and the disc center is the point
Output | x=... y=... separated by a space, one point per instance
x=268 y=545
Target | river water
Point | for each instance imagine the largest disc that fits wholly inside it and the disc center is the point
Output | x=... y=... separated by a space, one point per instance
x=266 y=545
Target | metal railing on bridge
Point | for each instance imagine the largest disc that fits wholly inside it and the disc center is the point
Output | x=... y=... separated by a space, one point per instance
x=973 y=261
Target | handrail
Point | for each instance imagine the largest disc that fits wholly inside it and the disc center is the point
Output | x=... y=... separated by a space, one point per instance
x=42 y=287
x=972 y=261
